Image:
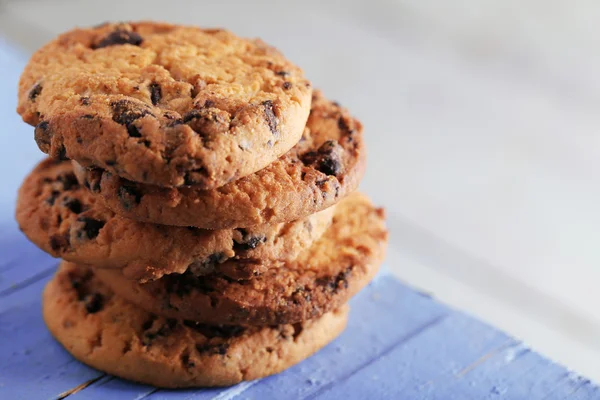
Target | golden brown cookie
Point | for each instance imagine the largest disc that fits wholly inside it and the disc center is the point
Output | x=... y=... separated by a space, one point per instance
x=65 y=220
x=321 y=279
x=321 y=169
x=164 y=104
x=114 y=336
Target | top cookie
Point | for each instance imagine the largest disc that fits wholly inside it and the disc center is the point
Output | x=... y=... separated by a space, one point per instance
x=164 y=104
x=324 y=167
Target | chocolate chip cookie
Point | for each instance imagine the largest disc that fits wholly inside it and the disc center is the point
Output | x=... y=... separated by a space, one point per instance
x=321 y=279
x=321 y=169
x=65 y=220
x=164 y=104
x=114 y=336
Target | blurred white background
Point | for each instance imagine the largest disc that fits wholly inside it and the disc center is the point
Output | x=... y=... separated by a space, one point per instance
x=482 y=124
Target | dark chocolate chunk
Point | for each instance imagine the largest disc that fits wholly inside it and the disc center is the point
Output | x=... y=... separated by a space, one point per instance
x=52 y=198
x=344 y=126
x=93 y=303
x=195 y=176
x=220 y=349
x=282 y=73
x=208 y=121
x=90 y=228
x=126 y=112
x=337 y=282
x=326 y=159
x=250 y=243
x=130 y=196
x=163 y=331
x=155 y=93
x=73 y=205
x=61 y=154
x=133 y=131
x=206 y=266
x=211 y=331
x=85 y=101
x=287 y=85
x=43 y=136
x=59 y=242
x=270 y=116
x=120 y=37
x=68 y=181
x=35 y=91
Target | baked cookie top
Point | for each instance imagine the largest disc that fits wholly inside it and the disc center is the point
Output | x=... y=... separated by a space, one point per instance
x=164 y=104
x=326 y=165
x=64 y=219
x=321 y=279
x=114 y=336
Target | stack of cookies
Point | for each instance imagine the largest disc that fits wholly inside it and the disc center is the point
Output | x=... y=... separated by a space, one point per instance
x=201 y=196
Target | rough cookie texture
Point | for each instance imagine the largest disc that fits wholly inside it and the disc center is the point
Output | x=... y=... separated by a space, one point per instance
x=321 y=279
x=321 y=169
x=164 y=104
x=114 y=336
x=65 y=220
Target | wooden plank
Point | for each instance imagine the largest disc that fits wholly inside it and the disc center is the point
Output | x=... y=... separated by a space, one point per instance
x=398 y=343
x=381 y=316
x=28 y=265
x=33 y=364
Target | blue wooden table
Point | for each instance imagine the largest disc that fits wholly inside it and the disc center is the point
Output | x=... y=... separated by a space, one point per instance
x=399 y=344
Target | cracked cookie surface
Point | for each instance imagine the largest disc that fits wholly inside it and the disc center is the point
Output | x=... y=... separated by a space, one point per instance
x=114 y=336
x=321 y=279
x=326 y=165
x=64 y=219
x=164 y=104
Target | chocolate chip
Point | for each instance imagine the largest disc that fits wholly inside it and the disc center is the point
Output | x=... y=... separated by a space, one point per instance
x=148 y=324
x=326 y=159
x=120 y=37
x=206 y=266
x=93 y=303
x=344 y=126
x=126 y=112
x=52 y=198
x=330 y=166
x=155 y=93
x=92 y=180
x=59 y=242
x=130 y=196
x=61 y=154
x=208 y=121
x=43 y=136
x=87 y=116
x=73 y=205
x=68 y=181
x=133 y=131
x=163 y=331
x=214 y=349
x=282 y=73
x=270 y=116
x=250 y=243
x=90 y=228
x=211 y=331
x=287 y=85
x=195 y=176
x=183 y=284
x=186 y=362
x=85 y=101
x=337 y=282
x=35 y=91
